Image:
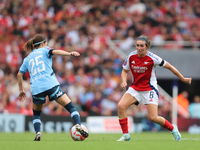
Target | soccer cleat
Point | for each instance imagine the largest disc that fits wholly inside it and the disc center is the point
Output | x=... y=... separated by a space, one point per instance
x=38 y=137
x=81 y=131
x=125 y=137
x=176 y=133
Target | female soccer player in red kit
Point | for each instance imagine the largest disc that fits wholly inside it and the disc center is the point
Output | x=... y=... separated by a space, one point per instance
x=142 y=65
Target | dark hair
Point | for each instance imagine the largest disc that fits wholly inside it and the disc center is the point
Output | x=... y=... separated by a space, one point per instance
x=146 y=39
x=35 y=42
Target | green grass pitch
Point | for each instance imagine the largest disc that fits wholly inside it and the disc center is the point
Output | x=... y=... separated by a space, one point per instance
x=63 y=141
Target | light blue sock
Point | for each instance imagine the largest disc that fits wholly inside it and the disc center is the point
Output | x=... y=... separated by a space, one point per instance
x=74 y=113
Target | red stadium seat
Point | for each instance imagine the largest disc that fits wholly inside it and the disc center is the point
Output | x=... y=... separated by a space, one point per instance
x=3 y=52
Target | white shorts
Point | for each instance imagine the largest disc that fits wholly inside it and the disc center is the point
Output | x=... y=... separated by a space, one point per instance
x=146 y=97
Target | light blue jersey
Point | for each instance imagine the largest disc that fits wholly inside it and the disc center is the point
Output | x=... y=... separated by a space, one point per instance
x=39 y=65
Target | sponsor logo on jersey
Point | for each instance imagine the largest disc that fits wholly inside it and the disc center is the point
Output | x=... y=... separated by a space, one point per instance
x=133 y=62
x=59 y=93
x=138 y=69
x=146 y=63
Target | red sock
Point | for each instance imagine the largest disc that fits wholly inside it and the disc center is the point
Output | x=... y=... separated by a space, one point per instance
x=124 y=125
x=168 y=125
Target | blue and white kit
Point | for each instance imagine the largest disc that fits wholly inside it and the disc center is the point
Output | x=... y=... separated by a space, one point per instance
x=39 y=65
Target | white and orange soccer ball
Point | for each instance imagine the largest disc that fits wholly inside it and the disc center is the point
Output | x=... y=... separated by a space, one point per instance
x=76 y=136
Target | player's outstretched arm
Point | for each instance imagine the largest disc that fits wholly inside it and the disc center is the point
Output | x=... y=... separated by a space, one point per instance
x=64 y=53
x=22 y=94
x=124 y=79
x=177 y=73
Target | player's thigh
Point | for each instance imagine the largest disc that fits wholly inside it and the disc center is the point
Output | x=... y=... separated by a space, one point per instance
x=126 y=100
x=63 y=100
x=37 y=107
x=152 y=110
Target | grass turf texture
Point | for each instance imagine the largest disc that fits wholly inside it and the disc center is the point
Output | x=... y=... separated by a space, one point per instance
x=63 y=141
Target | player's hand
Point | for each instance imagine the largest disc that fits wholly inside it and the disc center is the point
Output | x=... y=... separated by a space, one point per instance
x=75 y=53
x=22 y=96
x=123 y=85
x=187 y=80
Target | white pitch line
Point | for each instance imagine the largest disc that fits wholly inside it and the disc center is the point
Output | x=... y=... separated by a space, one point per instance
x=190 y=139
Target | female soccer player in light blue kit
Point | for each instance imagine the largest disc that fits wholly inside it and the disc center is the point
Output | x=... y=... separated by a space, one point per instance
x=44 y=82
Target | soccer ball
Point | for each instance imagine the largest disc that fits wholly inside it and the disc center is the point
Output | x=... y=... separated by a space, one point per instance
x=76 y=136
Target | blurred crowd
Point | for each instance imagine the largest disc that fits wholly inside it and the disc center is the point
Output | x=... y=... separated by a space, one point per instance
x=92 y=81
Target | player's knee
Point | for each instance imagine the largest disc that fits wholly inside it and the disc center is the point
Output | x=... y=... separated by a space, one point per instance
x=152 y=118
x=121 y=106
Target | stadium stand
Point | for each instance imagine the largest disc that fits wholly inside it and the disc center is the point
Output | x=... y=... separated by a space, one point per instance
x=88 y=27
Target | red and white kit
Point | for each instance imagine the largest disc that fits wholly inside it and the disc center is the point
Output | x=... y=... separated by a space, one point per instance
x=144 y=86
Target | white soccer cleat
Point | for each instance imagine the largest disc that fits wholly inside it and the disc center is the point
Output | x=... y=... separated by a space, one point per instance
x=176 y=133
x=38 y=137
x=81 y=131
x=125 y=137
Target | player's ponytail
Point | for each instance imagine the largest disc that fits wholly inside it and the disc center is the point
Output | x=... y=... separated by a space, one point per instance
x=35 y=42
x=29 y=45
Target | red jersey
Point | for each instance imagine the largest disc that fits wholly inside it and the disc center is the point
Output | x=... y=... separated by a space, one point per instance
x=143 y=70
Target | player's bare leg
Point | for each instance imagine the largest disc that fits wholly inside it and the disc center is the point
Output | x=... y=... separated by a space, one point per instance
x=153 y=116
x=124 y=103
